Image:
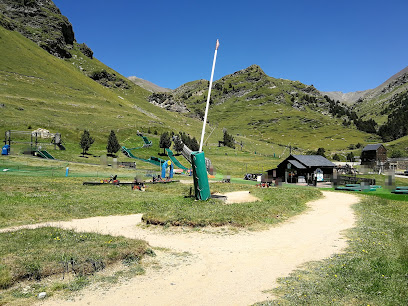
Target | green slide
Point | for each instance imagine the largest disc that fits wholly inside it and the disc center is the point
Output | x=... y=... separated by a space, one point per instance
x=153 y=160
x=174 y=159
x=45 y=154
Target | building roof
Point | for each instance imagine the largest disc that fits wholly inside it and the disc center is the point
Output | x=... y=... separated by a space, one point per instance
x=297 y=164
x=372 y=147
x=314 y=160
x=305 y=161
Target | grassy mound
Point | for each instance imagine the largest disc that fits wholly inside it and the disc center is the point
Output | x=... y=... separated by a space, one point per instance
x=39 y=253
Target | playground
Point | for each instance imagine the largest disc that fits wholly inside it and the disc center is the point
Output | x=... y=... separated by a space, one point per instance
x=34 y=141
x=166 y=214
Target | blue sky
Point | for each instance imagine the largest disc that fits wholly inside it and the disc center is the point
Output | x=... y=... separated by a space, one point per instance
x=334 y=45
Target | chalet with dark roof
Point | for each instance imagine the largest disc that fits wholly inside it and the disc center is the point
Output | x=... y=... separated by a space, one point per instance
x=374 y=155
x=303 y=168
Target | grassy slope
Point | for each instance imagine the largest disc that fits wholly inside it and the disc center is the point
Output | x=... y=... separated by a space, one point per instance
x=56 y=95
x=371 y=108
x=39 y=90
x=400 y=144
x=253 y=104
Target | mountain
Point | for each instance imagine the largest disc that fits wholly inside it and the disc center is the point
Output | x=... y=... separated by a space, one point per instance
x=348 y=98
x=375 y=101
x=277 y=111
x=66 y=93
x=147 y=85
x=363 y=101
x=67 y=90
x=40 y=21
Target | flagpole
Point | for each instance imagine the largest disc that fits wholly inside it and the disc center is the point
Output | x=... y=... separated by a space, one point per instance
x=208 y=97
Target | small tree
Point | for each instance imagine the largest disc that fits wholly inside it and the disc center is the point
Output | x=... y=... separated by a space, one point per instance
x=178 y=144
x=165 y=141
x=321 y=151
x=86 y=141
x=194 y=145
x=113 y=144
x=228 y=140
x=336 y=157
x=396 y=153
x=350 y=157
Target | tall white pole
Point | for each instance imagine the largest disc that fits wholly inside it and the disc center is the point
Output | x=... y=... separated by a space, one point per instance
x=208 y=97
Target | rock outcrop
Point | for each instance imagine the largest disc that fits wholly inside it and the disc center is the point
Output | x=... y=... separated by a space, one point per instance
x=42 y=22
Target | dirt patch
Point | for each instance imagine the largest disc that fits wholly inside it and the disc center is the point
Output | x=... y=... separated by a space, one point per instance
x=239 y=197
x=221 y=269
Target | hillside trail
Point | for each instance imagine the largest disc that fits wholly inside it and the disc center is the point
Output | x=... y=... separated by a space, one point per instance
x=205 y=268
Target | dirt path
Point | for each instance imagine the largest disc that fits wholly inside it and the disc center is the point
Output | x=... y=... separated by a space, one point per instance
x=222 y=269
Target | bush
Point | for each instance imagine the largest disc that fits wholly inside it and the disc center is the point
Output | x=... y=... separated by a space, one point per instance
x=5 y=277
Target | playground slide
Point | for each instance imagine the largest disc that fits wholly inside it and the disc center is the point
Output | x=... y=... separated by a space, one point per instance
x=61 y=146
x=45 y=154
x=147 y=143
x=153 y=160
x=174 y=159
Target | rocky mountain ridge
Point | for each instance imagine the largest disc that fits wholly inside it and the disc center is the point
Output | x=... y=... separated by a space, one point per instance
x=250 y=84
x=396 y=81
x=147 y=85
x=40 y=21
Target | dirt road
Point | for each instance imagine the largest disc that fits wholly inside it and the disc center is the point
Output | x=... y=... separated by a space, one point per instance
x=220 y=269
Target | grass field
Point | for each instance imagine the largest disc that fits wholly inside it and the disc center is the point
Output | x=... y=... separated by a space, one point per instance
x=26 y=200
x=36 y=192
x=372 y=270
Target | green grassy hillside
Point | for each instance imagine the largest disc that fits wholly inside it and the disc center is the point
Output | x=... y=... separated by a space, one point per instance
x=275 y=111
x=41 y=91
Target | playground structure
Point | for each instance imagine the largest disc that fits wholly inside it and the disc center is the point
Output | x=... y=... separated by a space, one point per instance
x=400 y=190
x=136 y=184
x=164 y=167
x=153 y=160
x=11 y=136
x=186 y=152
x=5 y=150
x=170 y=154
x=199 y=163
x=147 y=142
x=358 y=187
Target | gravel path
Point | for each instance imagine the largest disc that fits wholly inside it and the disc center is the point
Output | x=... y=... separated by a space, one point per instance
x=220 y=269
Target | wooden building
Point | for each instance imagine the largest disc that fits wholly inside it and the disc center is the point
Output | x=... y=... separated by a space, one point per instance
x=303 y=168
x=374 y=156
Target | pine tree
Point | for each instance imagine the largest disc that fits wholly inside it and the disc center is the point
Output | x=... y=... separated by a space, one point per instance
x=86 y=141
x=194 y=145
x=178 y=144
x=321 y=151
x=113 y=144
x=228 y=140
x=336 y=157
x=165 y=141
